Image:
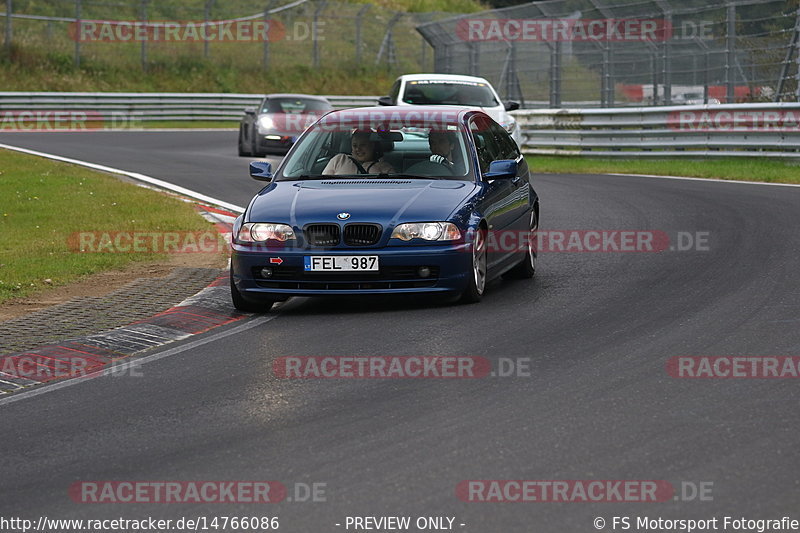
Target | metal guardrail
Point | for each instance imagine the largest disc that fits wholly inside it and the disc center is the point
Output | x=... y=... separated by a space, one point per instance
x=729 y=130
x=765 y=129
x=147 y=106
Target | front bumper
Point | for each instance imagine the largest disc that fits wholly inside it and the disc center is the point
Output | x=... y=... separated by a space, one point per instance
x=275 y=142
x=449 y=267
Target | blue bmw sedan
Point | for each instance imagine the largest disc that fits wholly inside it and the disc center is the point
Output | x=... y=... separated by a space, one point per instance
x=387 y=200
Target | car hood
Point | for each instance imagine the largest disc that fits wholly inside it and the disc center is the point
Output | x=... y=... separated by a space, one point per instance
x=498 y=114
x=288 y=123
x=386 y=202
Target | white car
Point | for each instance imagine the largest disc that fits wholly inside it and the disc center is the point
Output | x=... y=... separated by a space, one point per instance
x=452 y=89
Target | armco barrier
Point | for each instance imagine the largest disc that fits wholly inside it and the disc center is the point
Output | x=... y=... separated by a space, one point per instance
x=151 y=106
x=761 y=129
x=768 y=129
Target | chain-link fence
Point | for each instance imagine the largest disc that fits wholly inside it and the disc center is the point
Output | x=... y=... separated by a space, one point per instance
x=142 y=34
x=545 y=54
x=626 y=52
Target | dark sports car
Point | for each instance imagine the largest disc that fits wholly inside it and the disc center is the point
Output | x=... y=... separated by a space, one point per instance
x=277 y=122
x=388 y=200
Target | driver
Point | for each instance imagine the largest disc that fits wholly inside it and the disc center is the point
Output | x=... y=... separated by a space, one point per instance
x=442 y=145
x=365 y=158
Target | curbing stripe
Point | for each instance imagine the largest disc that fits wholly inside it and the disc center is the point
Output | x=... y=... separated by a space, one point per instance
x=95 y=354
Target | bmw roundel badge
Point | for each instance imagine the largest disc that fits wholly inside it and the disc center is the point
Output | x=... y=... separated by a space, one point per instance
x=343 y=216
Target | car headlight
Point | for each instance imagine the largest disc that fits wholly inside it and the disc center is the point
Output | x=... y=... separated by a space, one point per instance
x=265 y=123
x=262 y=232
x=429 y=231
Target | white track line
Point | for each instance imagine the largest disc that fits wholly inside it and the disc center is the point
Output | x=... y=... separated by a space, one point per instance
x=139 y=361
x=714 y=180
x=133 y=175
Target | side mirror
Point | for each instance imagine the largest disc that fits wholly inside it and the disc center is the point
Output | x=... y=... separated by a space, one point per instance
x=385 y=100
x=511 y=105
x=249 y=110
x=501 y=170
x=261 y=170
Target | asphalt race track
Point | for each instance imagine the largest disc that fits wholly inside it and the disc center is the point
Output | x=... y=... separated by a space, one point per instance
x=598 y=329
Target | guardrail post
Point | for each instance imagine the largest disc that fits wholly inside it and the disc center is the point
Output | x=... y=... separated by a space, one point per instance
x=797 y=57
x=143 y=52
x=265 y=58
x=555 y=75
x=315 y=34
x=77 y=59
x=703 y=46
x=511 y=71
x=667 y=61
x=387 y=45
x=791 y=49
x=8 y=27
x=359 y=22
x=473 y=58
x=654 y=63
x=206 y=17
x=730 y=56
x=423 y=53
x=610 y=95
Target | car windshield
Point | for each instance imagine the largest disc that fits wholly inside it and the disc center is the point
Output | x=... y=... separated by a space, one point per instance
x=344 y=146
x=298 y=106
x=433 y=92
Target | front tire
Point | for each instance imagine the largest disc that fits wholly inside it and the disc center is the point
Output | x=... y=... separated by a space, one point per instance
x=254 y=151
x=242 y=150
x=526 y=269
x=240 y=303
x=478 y=271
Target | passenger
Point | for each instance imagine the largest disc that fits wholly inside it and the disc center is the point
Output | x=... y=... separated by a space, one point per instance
x=365 y=158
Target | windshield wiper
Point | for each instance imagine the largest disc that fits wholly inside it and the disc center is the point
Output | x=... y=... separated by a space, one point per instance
x=402 y=175
x=312 y=176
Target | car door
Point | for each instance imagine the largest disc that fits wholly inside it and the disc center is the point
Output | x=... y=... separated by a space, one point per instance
x=497 y=205
x=519 y=205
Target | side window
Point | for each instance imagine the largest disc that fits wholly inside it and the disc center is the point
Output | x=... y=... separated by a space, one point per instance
x=508 y=148
x=395 y=91
x=485 y=142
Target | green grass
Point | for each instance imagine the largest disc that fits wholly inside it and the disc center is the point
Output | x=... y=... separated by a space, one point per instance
x=739 y=169
x=43 y=203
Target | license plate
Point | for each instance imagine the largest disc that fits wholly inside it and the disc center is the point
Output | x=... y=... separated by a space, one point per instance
x=340 y=263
